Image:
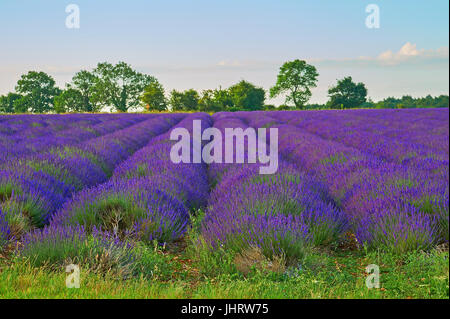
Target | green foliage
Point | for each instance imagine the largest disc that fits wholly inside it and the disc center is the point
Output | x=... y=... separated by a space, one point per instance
x=98 y=255
x=176 y=100
x=85 y=82
x=152 y=262
x=296 y=78
x=284 y=107
x=209 y=261
x=22 y=105
x=72 y=151
x=333 y=159
x=410 y=102
x=184 y=101
x=393 y=103
x=223 y=99
x=246 y=96
x=417 y=275
x=243 y=96
x=38 y=90
x=347 y=94
x=7 y=102
x=154 y=98
x=119 y=86
x=209 y=103
x=59 y=172
x=115 y=212
x=70 y=100
x=21 y=215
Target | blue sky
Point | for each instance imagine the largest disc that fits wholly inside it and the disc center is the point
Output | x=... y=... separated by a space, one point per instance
x=207 y=44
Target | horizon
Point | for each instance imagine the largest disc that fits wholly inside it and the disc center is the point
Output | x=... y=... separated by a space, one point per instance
x=223 y=43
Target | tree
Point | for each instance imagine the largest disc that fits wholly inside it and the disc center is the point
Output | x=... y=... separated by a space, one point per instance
x=154 y=98
x=285 y=107
x=190 y=100
x=38 y=90
x=388 y=103
x=7 y=102
x=176 y=100
x=347 y=94
x=427 y=101
x=208 y=102
x=296 y=78
x=184 y=101
x=246 y=96
x=223 y=98
x=408 y=101
x=119 y=86
x=369 y=104
x=85 y=83
x=70 y=100
x=22 y=105
x=441 y=101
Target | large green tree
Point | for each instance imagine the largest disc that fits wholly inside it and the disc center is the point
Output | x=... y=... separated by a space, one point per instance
x=38 y=92
x=119 y=86
x=295 y=79
x=246 y=96
x=154 y=98
x=347 y=94
x=7 y=102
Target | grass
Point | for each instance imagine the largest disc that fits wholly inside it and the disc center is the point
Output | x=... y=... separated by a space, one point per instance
x=324 y=274
x=418 y=275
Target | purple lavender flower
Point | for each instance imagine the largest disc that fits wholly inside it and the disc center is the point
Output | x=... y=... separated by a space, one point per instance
x=5 y=231
x=401 y=230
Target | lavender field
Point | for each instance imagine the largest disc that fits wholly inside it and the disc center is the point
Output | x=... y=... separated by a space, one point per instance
x=100 y=191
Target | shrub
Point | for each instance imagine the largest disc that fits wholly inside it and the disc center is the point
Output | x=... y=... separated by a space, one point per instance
x=398 y=231
x=57 y=246
x=98 y=251
x=134 y=206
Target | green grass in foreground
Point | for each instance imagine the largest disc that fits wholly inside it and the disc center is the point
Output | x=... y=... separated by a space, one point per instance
x=325 y=274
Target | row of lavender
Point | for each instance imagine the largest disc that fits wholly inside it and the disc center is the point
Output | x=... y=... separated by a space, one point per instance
x=423 y=143
x=392 y=205
x=281 y=215
x=147 y=199
x=148 y=195
x=34 y=187
x=25 y=135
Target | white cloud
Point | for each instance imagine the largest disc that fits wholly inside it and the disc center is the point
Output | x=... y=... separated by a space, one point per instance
x=409 y=53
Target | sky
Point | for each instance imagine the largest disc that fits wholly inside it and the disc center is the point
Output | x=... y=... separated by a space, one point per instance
x=210 y=43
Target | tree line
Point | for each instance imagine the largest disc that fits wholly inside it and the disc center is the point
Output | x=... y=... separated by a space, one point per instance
x=120 y=88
